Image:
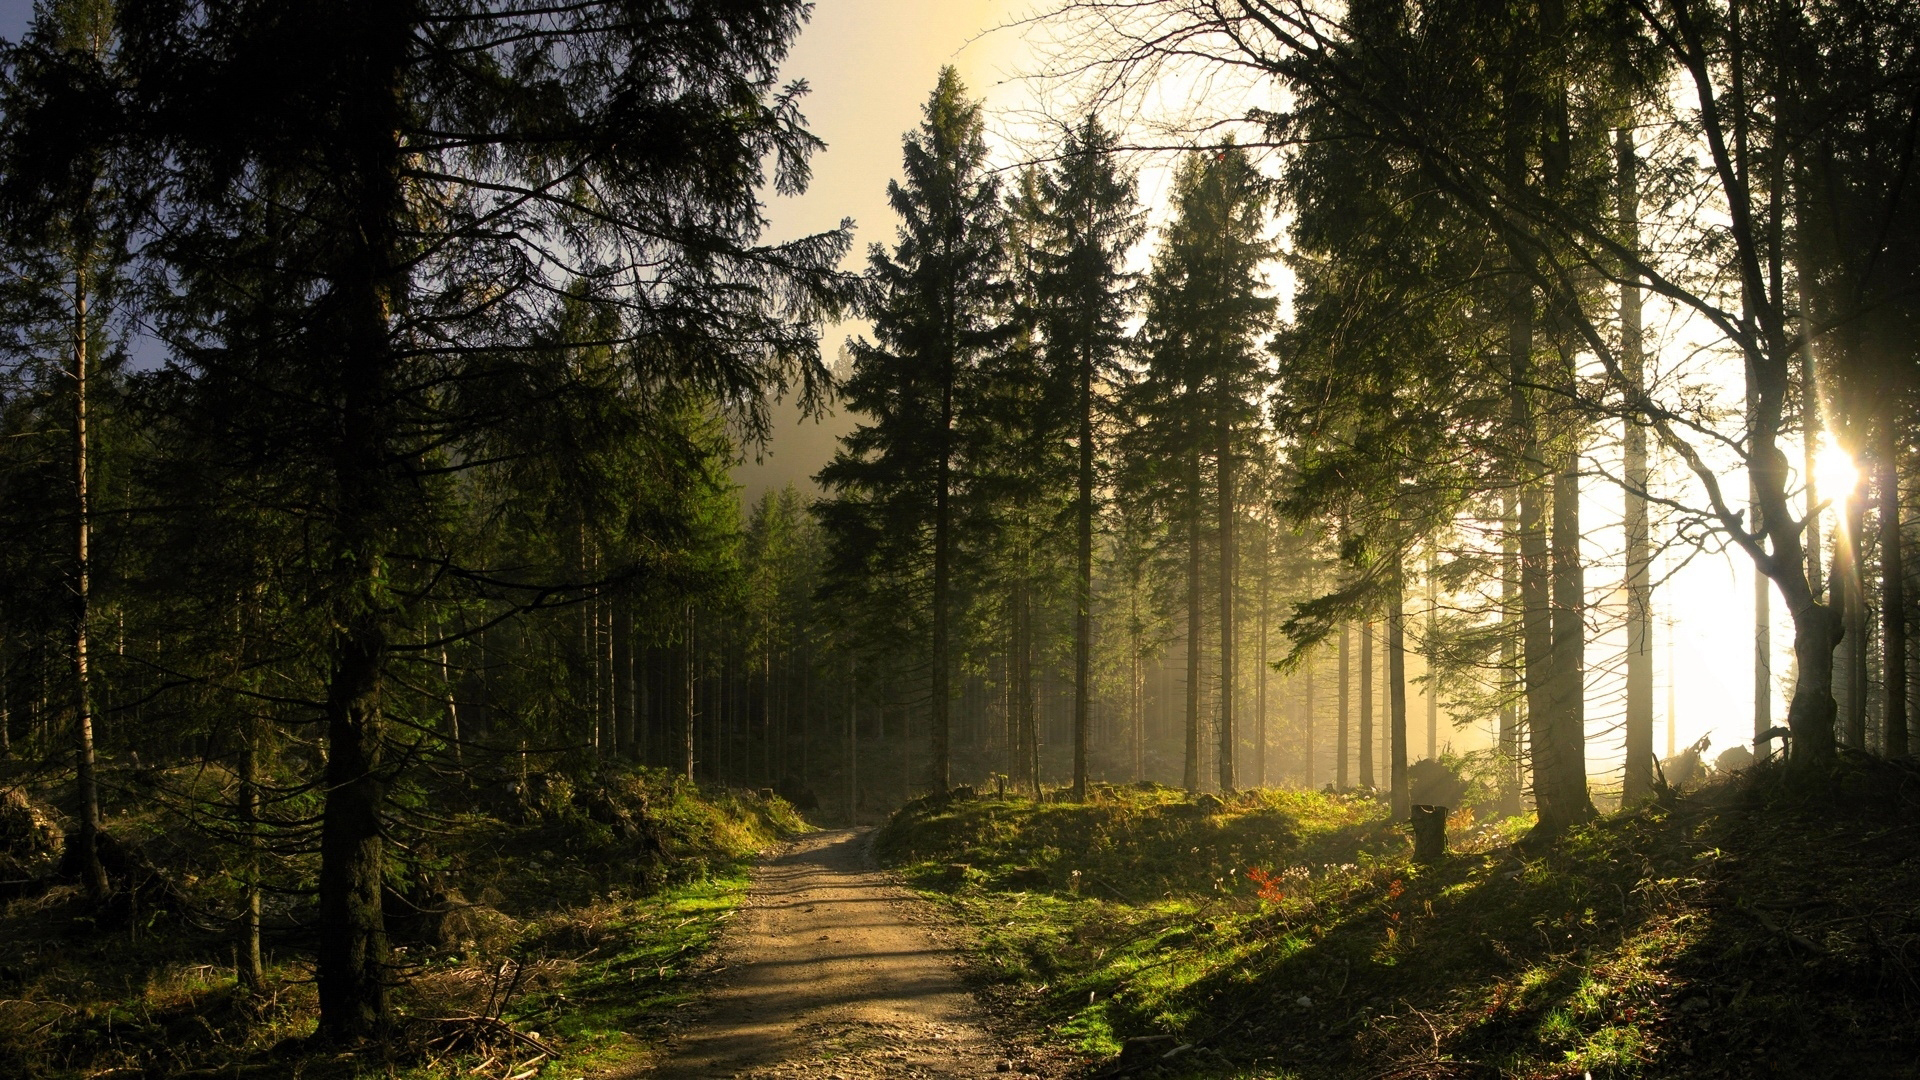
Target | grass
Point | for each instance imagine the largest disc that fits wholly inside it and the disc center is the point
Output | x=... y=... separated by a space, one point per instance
x=578 y=925
x=1750 y=928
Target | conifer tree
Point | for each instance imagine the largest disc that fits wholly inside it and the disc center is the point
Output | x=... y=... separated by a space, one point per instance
x=378 y=218
x=1206 y=322
x=1087 y=221
x=65 y=204
x=937 y=312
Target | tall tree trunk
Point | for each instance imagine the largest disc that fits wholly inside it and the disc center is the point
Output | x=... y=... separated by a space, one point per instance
x=1893 y=590
x=1224 y=477
x=87 y=843
x=1397 y=693
x=1509 y=677
x=251 y=973
x=1856 y=610
x=1260 y=665
x=941 y=765
x=1342 y=747
x=853 y=743
x=1192 y=772
x=624 y=696
x=1306 y=738
x=1366 y=703
x=1025 y=733
x=451 y=706
x=1560 y=757
x=1083 y=577
x=1136 y=705
x=1638 y=782
x=1433 y=637
x=681 y=758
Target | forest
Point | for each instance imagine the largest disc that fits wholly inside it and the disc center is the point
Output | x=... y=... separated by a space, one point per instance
x=1237 y=607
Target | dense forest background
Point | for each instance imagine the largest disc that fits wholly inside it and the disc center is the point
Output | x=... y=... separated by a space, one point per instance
x=374 y=373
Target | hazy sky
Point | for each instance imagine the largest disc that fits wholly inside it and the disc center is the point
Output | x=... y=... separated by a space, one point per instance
x=871 y=64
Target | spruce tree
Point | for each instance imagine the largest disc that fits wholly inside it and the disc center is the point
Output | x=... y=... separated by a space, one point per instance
x=1206 y=322
x=937 y=312
x=1087 y=222
x=377 y=216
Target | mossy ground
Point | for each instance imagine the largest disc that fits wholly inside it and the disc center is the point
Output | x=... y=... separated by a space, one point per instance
x=577 y=935
x=1750 y=928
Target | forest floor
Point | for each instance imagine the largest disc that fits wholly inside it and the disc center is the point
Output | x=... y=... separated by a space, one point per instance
x=1750 y=928
x=577 y=930
x=832 y=970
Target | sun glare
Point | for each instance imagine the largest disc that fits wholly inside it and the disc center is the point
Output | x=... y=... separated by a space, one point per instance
x=1834 y=472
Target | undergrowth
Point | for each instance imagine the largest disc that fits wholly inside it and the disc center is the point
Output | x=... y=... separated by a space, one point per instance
x=563 y=937
x=1751 y=928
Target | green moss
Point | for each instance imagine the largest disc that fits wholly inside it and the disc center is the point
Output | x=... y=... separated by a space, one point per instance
x=1733 y=932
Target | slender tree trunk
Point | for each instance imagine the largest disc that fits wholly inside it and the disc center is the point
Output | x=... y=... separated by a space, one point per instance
x=1306 y=738
x=853 y=743
x=1433 y=637
x=451 y=706
x=87 y=861
x=1397 y=693
x=1136 y=706
x=941 y=765
x=1366 y=704
x=1192 y=777
x=625 y=703
x=251 y=973
x=1342 y=747
x=1509 y=733
x=1638 y=781
x=1856 y=613
x=1224 y=475
x=1560 y=778
x=1260 y=663
x=1893 y=591
x=1083 y=578
x=683 y=676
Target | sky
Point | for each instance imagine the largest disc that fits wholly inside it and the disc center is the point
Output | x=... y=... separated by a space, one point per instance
x=870 y=65
x=13 y=17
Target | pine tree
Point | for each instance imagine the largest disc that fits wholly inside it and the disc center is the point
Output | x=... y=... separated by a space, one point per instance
x=1206 y=322
x=66 y=203
x=1086 y=223
x=938 y=312
x=364 y=207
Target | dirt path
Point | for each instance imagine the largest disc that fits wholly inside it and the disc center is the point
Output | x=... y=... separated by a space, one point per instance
x=831 y=971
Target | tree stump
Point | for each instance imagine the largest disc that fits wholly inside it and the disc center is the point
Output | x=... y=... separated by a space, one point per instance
x=1429 y=833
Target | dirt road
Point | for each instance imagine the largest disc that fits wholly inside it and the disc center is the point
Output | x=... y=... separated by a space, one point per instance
x=831 y=971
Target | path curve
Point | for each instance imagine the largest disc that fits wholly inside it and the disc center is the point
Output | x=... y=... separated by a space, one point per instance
x=831 y=971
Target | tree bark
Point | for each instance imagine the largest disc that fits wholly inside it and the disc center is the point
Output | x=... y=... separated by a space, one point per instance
x=681 y=758
x=624 y=697
x=1509 y=733
x=1224 y=480
x=1638 y=781
x=1893 y=591
x=1366 y=703
x=940 y=767
x=1397 y=692
x=1306 y=738
x=1083 y=576
x=1260 y=665
x=1192 y=771
x=251 y=973
x=1345 y=719
x=87 y=855
x=1433 y=637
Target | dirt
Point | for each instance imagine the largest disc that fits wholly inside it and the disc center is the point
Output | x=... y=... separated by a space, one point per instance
x=831 y=970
